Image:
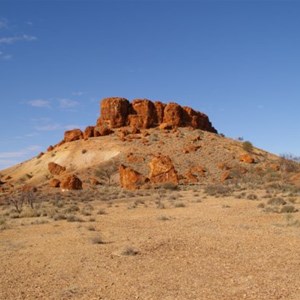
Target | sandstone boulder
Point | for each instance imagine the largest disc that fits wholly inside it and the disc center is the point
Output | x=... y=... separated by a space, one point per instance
x=159 y=108
x=73 y=135
x=102 y=130
x=173 y=114
x=54 y=183
x=71 y=182
x=50 y=148
x=162 y=170
x=55 y=169
x=246 y=158
x=134 y=158
x=225 y=176
x=89 y=132
x=114 y=112
x=143 y=114
x=40 y=155
x=131 y=179
x=199 y=170
x=190 y=177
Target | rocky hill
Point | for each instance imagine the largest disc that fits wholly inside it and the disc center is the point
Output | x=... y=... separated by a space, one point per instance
x=141 y=144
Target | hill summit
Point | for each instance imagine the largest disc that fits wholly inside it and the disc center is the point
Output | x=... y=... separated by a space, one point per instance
x=118 y=112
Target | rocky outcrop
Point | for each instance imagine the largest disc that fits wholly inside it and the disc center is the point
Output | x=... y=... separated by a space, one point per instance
x=73 y=135
x=102 y=130
x=143 y=113
x=162 y=170
x=55 y=169
x=131 y=179
x=89 y=132
x=71 y=182
x=114 y=112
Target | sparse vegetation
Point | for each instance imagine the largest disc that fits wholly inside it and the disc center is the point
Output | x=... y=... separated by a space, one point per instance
x=97 y=240
x=247 y=146
x=130 y=251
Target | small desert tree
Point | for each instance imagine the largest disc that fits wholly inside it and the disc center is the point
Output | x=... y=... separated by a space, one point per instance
x=107 y=170
x=289 y=163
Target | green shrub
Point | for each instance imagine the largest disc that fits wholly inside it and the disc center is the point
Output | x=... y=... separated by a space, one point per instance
x=247 y=146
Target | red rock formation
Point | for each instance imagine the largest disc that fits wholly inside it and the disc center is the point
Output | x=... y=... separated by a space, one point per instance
x=162 y=170
x=89 y=132
x=54 y=183
x=55 y=169
x=159 y=107
x=131 y=179
x=190 y=178
x=225 y=176
x=143 y=114
x=173 y=115
x=135 y=159
x=73 y=135
x=191 y=149
x=71 y=182
x=246 y=158
x=102 y=130
x=199 y=170
x=114 y=112
x=50 y=148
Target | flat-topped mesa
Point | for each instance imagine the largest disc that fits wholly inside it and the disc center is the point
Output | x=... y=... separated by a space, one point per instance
x=142 y=113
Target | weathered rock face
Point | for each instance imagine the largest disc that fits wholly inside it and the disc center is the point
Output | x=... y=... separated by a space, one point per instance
x=71 y=182
x=73 y=135
x=131 y=179
x=114 y=112
x=159 y=107
x=173 y=115
x=55 y=169
x=162 y=170
x=89 y=132
x=102 y=130
x=143 y=114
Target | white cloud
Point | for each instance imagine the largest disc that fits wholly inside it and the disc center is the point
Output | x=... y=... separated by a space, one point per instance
x=40 y=103
x=48 y=127
x=77 y=93
x=4 y=56
x=3 y=24
x=13 y=39
x=67 y=103
x=10 y=158
x=20 y=153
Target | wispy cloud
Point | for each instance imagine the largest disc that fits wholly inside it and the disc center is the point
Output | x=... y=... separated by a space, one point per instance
x=48 y=127
x=4 y=56
x=55 y=126
x=40 y=103
x=3 y=23
x=67 y=103
x=78 y=94
x=10 y=158
x=14 y=39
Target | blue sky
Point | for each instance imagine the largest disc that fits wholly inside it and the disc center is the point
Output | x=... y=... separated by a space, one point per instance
x=237 y=61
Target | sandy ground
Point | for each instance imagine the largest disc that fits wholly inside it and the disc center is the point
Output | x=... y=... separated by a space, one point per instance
x=211 y=248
